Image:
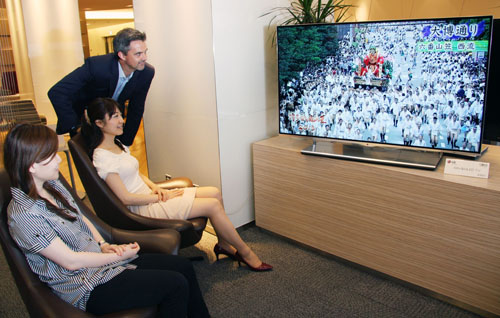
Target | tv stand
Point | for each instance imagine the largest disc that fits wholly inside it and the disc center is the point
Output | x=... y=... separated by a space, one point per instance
x=463 y=155
x=375 y=154
x=436 y=231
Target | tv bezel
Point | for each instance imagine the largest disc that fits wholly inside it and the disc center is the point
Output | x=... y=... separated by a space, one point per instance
x=368 y=143
x=491 y=129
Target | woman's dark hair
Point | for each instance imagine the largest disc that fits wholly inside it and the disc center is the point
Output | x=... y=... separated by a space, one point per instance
x=25 y=145
x=97 y=110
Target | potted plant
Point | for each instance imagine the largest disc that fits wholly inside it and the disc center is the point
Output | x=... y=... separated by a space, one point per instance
x=308 y=12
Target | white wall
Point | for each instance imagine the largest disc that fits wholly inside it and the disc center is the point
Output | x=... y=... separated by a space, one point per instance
x=213 y=94
x=54 y=46
x=246 y=81
x=180 y=121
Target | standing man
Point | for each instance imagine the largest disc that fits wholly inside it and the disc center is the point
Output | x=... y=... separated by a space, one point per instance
x=123 y=75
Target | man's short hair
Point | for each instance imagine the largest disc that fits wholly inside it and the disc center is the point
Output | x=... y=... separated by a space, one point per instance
x=121 y=42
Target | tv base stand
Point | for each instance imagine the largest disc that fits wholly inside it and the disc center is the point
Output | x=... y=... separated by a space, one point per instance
x=437 y=231
x=376 y=154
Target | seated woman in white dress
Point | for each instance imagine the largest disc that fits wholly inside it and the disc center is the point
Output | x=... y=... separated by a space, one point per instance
x=101 y=124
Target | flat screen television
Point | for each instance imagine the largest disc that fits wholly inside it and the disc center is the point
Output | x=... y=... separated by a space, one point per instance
x=404 y=85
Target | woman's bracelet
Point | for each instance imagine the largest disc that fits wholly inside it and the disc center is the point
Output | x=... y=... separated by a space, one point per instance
x=101 y=243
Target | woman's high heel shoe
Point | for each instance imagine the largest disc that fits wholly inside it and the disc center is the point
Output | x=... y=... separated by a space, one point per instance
x=263 y=267
x=219 y=250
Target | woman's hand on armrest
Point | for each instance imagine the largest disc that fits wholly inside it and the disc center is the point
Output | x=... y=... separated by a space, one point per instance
x=61 y=254
x=165 y=195
x=119 y=249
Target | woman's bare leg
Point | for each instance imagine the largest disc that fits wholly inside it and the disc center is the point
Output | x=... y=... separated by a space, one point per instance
x=213 y=192
x=227 y=235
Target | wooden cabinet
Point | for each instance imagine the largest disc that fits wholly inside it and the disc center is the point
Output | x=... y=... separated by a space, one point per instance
x=437 y=231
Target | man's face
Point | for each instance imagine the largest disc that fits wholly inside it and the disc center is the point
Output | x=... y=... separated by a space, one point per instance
x=136 y=57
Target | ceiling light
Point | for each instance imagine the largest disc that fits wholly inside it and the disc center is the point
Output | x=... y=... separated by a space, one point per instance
x=110 y=14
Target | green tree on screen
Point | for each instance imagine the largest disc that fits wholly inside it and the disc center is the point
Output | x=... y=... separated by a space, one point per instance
x=300 y=47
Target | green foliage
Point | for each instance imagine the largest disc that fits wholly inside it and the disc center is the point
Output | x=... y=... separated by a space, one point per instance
x=300 y=44
x=309 y=12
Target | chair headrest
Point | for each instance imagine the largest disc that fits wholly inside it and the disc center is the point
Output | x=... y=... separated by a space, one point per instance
x=5 y=195
x=80 y=141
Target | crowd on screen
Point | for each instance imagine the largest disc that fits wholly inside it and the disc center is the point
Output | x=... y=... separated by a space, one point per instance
x=432 y=99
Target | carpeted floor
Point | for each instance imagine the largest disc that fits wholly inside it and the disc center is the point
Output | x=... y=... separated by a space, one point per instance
x=11 y=304
x=304 y=283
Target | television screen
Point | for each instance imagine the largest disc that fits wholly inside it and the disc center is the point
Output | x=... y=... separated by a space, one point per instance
x=414 y=83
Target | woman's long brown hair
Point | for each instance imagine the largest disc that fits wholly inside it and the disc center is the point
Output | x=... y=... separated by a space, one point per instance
x=25 y=145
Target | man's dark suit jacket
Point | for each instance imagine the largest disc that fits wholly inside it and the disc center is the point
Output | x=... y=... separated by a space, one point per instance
x=98 y=77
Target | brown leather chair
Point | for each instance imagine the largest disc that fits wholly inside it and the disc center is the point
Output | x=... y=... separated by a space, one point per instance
x=39 y=299
x=111 y=209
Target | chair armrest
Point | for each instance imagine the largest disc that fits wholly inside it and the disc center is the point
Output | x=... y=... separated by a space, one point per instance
x=180 y=182
x=42 y=302
x=151 y=241
x=147 y=223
